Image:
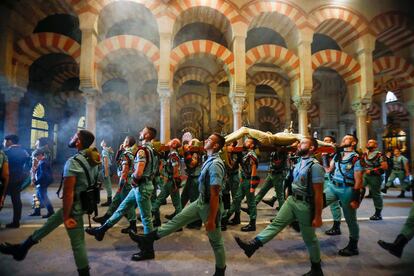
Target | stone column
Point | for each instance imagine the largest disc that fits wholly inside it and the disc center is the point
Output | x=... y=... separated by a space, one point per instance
x=237 y=107
x=286 y=101
x=303 y=104
x=87 y=74
x=410 y=107
x=252 y=105
x=90 y=116
x=213 y=105
x=12 y=96
x=165 y=119
x=164 y=87
x=361 y=110
x=305 y=54
x=364 y=57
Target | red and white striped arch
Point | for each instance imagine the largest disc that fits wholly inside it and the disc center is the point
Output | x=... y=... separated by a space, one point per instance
x=398 y=109
x=105 y=98
x=374 y=112
x=221 y=77
x=32 y=47
x=192 y=73
x=272 y=103
x=65 y=72
x=222 y=102
x=339 y=23
x=202 y=47
x=393 y=29
x=255 y=8
x=344 y=64
x=276 y=55
x=270 y=79
x=228 y=9
x=223 y=118
x=387 y=83
x=191 y=99
x=156 y=7
x=397 y=68
x=270 y=119
x=127 y=42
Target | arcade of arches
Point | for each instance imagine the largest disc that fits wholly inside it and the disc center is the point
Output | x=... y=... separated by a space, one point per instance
x=114 y=66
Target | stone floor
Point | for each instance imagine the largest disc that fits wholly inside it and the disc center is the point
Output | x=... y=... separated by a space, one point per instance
x=189 y=253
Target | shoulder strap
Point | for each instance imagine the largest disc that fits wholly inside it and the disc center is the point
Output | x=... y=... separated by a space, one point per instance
x=309 y=179
x=88 y=177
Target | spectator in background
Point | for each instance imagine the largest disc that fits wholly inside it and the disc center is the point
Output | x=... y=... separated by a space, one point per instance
x=17 y=157
x=42 y=179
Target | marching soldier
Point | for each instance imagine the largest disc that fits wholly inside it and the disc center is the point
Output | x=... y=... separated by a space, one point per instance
x=305 y=205
x=126 y=163
x=207 y=207
x=172 y=186
x=107 y=155
x=400 y=170
x=346 y=186
x=71 y=215
x=140 y=194
x=249 y=182
x=375 y=165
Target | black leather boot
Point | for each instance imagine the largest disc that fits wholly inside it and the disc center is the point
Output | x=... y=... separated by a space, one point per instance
x=226 y=201
x=351 y=249
x=156 y=222
x=102 y=219
x=146 y=244
x=377 y=215
x=18 y=251
x=249 y=247
x=84 y=271
x=402 y=194
x=396 y=248
x=132 y=227
x=270 y=202
x=316 y=270
x=36 y=213
x=250 y=227
x=235 y=220
x=98 y=232
x=220 y=271
x=335 y=230
x=108 y=202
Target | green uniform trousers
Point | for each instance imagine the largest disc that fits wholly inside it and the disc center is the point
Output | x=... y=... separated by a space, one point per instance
x=76 y=236
x=190 y=191
x=334 y=206
x=344 y=194
x=141 y=196
x=166 y=190
x=108 y=185
x=120 y=195
x=290 y=211
x=158 y=183
x=232 y=184
x=243 y=190
x=374 y=184
x=400 y=175
x=276 y=181
x=408 y=228
x=194 y=212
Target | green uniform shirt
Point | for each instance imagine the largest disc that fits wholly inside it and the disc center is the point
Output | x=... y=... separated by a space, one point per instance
x=300 y=175
x=212 y=173
x=146 y=154
x=73 y=168
x=373 y=160
x=399 y=162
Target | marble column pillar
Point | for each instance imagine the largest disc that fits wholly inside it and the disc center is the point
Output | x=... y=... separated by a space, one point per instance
x=361 y=110
x=303 y=104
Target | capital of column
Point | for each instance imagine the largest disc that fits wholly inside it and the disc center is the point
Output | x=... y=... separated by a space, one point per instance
x=360 y=108
x=164 y=94
x=302 y=103
x=13 y=93
x=237 y=103
x=90 y=95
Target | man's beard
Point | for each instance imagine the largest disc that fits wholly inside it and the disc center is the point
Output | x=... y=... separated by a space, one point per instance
x=303 y=152
x=370 y=148
x=72 y=144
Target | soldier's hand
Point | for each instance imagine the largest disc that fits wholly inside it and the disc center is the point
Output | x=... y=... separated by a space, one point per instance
x=317 y=222
x=210 y=226
x=70 y=223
